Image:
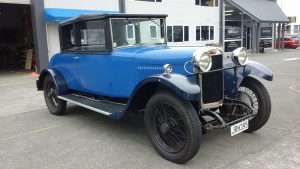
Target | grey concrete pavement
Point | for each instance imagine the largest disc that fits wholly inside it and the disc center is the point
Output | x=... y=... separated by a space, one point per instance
x=18 y=94
x=30 y=137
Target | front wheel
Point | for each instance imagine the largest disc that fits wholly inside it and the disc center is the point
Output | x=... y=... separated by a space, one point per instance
x=259 y=100
x=173 y=127
x=55 y=105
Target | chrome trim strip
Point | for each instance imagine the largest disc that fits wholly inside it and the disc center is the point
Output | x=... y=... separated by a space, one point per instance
x=211 y=105
x=85 y=106
x=99 y=100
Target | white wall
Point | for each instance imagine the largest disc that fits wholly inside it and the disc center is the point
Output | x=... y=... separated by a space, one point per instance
x=108 y=5
x=52 y=28
x=15 y=1
x=180 y=12
x=52 y=39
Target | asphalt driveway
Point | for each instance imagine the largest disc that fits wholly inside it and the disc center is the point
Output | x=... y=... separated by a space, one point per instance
x=30 y=137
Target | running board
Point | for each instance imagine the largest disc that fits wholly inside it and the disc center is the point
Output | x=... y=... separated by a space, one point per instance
x=104 y=107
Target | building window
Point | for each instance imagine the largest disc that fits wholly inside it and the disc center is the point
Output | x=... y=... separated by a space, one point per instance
x=150 y=0
x=170 y=33
x=296 y=28
x=198 y=37
x=233 y=30
x=92 y=36
x=186 y=33
x=205 y=33
x=206 y=2
x=211 y=33
x=178 y=33
x=130 y=32
x=266 y=32
x=153 y=31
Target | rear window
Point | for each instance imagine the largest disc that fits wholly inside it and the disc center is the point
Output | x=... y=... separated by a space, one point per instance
x=68 y=37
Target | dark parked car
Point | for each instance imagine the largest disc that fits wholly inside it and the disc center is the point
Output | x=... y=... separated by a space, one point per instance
x=119 y=63
x=289 y=43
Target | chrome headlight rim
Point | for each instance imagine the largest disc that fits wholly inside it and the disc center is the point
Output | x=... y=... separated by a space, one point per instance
x=167 y=68
x=203 y=61
x=240 y=56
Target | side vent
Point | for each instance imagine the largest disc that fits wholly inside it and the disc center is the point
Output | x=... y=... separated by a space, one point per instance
x=148 y=70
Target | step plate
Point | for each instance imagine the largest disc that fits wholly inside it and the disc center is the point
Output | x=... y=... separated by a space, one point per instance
x=103 y=107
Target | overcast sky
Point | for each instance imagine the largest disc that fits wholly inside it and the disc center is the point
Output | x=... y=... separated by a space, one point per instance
x=290 y=7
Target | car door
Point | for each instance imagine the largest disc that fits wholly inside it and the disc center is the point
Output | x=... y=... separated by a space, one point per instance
x=66 y=61
x=93 y=63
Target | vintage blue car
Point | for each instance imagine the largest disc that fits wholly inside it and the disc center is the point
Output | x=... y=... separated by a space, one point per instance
x=119 y=63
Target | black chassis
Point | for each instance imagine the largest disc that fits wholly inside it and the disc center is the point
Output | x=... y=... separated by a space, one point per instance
x=238 y=74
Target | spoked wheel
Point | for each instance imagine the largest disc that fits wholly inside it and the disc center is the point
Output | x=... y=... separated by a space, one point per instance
x=168 y=128
x=256 y=95
x=173 y=126
x=55 y=105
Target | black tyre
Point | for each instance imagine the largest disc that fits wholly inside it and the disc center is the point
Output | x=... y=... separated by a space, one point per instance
x=260 y=102
x=173 y=126
x=55 y=105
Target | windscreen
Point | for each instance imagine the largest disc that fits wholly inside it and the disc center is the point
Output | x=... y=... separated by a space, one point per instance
x=137 y=31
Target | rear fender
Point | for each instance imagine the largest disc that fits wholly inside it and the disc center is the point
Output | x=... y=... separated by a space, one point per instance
x=59 y=80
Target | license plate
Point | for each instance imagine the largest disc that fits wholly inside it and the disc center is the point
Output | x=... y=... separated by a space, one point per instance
x=239 y=127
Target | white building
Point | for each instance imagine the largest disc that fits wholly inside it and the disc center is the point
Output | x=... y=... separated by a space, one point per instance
x=189 y=22
x=227 y=23
x=291 y=9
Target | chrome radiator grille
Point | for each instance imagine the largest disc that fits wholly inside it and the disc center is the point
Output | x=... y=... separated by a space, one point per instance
x=212 y=84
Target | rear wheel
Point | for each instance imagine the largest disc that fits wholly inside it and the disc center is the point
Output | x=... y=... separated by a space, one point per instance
x=173 y=126
x=55 y=105
x=259 y=100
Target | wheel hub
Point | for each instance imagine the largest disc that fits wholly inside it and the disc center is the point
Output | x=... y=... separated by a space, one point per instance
x=164 y=128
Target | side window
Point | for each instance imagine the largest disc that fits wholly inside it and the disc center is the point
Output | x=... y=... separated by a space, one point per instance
x=153 y=31
x=130 y=32
x=67 y=37
x=92 y=36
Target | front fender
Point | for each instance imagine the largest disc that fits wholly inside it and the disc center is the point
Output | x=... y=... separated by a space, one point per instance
x=179 y=84
x=59 y=80
x=252 y=68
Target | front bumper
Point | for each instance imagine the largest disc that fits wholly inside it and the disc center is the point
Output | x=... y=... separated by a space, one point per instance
x=219 y=122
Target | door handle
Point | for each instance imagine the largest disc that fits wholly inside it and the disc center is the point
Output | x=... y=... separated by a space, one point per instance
x=76 y=57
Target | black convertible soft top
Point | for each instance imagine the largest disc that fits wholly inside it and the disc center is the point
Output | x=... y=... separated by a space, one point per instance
x=85 y=17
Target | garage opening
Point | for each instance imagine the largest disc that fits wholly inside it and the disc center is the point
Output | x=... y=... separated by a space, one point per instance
x=16 y=40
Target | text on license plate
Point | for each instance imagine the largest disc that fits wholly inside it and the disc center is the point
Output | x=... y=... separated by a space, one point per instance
x=239 y=127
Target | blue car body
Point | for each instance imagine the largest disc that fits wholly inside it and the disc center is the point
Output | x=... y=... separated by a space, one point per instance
x=118 y=63
x=117 y=74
